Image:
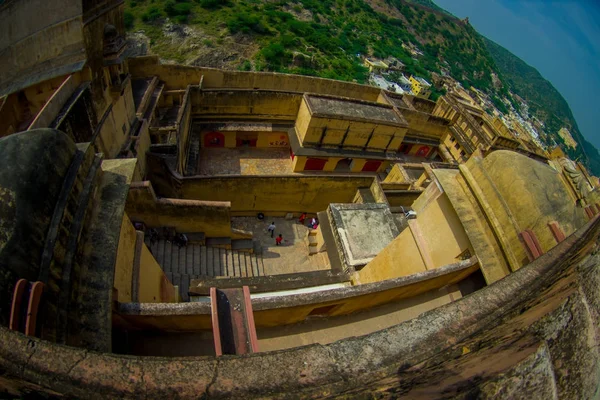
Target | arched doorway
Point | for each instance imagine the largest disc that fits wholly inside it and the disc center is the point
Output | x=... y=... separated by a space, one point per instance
x=423 y=151
x=214 y=139
x=343 y=165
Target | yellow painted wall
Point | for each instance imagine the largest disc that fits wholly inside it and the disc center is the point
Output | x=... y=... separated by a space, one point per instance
x=251 y=104
x=212 y=218
x=399 y=258
x=124 y=261
x=249 y=195
x=443 y=232
x=295 y=314
x=179 y=76
x=154 y=287
x=112 y=136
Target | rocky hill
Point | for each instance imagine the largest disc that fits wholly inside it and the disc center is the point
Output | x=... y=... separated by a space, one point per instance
x=327 y=38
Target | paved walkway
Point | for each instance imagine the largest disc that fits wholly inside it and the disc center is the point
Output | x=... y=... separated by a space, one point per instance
x=292 y=256
x=244 y=161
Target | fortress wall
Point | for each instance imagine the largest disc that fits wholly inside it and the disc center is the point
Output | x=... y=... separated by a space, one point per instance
x=285 y=310
x=48 y=45
x=212 y=218
x=178 y=77
x=532 y=333
x=274 y=195
x=247 y=104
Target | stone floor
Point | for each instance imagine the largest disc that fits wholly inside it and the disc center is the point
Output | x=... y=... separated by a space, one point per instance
x=292 y=256
x=244 y=161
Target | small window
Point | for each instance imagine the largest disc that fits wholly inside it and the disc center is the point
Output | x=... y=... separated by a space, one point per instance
x=462 y=153
x=452 y=139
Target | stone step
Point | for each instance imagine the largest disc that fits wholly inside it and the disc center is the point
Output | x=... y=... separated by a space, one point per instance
x=242 y=245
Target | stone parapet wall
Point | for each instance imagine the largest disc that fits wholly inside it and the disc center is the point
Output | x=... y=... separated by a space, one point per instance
x=532 y=334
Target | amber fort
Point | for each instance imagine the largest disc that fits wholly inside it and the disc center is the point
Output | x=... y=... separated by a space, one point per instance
x=428 y=250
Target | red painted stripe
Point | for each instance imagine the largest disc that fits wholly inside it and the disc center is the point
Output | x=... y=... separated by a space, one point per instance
x=250 y=321
x=35 y=296
x=215 y=321
x=17 y=301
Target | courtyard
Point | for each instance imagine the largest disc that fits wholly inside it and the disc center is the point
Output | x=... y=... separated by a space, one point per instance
x=290 y=257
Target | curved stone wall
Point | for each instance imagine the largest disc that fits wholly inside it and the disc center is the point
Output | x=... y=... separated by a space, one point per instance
x=32 y=170
x=531 y=335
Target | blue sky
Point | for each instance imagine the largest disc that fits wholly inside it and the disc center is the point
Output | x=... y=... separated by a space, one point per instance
x=560 y=38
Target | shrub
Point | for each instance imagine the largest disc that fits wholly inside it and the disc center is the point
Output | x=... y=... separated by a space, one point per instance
x=177 y=9
x=246 y=23
x=212 y=4
x=245 y=66
x=152 y=14
x=128 y=19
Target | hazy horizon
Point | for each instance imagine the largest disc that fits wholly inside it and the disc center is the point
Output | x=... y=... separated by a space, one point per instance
x=558 y=37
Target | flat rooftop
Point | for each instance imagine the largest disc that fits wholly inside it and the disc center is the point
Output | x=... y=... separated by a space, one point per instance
x=244 y=161
x=363 y=230
x=353 y=110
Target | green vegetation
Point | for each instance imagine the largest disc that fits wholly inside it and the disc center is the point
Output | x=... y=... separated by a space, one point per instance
x=330 y=42
x=328 y=38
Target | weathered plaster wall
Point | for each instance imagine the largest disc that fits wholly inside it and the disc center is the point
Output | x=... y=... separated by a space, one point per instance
x=532 y=335
x=399 y=258
x=154 y=287
x=269 y=194
x=212 y=218
x=50 y=44
x=117 y=124
x=178 y=77
x=246 y=103
x=125 y=259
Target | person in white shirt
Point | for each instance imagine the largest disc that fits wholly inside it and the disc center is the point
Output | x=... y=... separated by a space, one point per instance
x=271 y=228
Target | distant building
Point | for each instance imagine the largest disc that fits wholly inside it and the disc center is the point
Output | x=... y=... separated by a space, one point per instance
x=404 y=84
x=420 y=87
x=376 y=66
x=394 y=64
x=568 y=138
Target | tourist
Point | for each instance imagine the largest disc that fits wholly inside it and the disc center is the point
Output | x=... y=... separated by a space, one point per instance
x=314 y=223
x=278 y=240
x=271 y=228
x=302 y=218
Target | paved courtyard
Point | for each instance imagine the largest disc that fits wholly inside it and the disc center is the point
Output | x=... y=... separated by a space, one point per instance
x=244 y=161
x=292 y=256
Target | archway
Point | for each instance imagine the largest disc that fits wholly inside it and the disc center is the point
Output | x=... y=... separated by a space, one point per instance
x=214 y=139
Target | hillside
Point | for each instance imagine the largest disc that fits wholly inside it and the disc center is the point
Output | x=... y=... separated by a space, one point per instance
x=545 y=102
x=327 y=38
x=322 y=38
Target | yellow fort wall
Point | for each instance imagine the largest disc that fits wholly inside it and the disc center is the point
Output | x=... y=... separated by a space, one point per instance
x=178 y=77
x=153 y=285
x=212 y=218
x=125 y=258
x=275 y=195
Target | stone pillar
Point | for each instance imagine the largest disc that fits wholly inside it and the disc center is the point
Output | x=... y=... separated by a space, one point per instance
x=331 y=163
x=298 y=163
x=357 y=164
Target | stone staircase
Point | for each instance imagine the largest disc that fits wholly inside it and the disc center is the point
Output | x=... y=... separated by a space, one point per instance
x=194 y=261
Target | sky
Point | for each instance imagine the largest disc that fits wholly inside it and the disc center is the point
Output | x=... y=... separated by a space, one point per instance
x=560 y=38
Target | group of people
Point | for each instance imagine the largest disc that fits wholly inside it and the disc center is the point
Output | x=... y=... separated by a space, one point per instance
x=314 y=222
x=279 y=238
